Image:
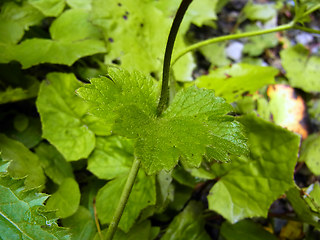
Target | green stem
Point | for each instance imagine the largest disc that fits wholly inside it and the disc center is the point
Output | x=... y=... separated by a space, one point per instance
x=305 y=29
x=164 y=97
x=314 y=8
x=230 y=37
x=123 y=199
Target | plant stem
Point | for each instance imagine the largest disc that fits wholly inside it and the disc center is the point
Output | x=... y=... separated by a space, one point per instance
x=164 y=97
x=123 y=199
x=305 y=29
x=314 y=8
x=230 y=37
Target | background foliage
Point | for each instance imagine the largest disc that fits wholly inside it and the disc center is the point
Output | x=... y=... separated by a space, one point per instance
x=67 y=157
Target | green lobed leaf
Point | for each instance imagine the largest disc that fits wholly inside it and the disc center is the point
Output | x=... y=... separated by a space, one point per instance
x=189 y=224
x=24 y=162
x=231 y=82
x=245 y=230
x=65 y=201
x=22 y=214
x=310 y=150
x=81 y=224
x=65 y=123
x=53 y=163
x=301 y=68
x=120 y=88
x=143 y=194
x=248 y=186
x=195 y=124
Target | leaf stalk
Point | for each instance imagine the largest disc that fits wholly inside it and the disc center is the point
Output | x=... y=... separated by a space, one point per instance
x=231 y=37
x=123 y=199
x=164 y=97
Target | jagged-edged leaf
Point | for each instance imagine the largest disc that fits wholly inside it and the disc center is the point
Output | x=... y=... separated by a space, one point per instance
x=81 y=224
x=302 y=69
x=111 y=158
x=22 y=214
x=50 y=8
x=245 y=230
x=147 y=27
x=194 y=125
x=73 y=37
x=189 y=224
x=65 y=201
x=24 y=162
x=143 y=194
x=232 y=82
x=109 y=94
x=53 y=163
x=249 y=185
x=63 y=115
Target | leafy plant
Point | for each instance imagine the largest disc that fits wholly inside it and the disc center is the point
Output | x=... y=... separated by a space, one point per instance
x=126 y=156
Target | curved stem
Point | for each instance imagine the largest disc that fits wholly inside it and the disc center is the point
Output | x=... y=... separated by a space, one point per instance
x=230 y=37
x=123 y=199
x=309 y=30
x=314 y=8
x=167 y=56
